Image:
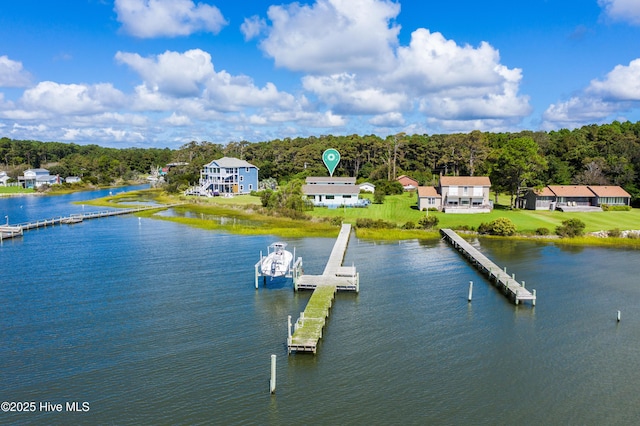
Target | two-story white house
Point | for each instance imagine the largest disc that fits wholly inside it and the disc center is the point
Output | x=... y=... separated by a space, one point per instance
x=228 y=175
x=35 y=178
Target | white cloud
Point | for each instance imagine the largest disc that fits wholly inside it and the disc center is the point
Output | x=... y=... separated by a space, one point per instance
x=621 y=84
x=177 y=120
x=333 y=36
x=346 y=94
x=167 y=18
x=622 y=10
x=618 y=92
x=173 y=73
x=80 y=99
x=253 y=27
x=12 y=74
x=390 y=119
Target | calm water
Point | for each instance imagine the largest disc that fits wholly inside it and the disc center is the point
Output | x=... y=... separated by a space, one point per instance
x=156 y=323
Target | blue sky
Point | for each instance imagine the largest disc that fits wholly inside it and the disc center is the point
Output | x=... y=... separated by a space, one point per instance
x=161 y=73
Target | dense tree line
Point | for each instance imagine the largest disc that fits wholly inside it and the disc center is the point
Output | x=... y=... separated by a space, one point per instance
x=594 y=154
x=93 y=163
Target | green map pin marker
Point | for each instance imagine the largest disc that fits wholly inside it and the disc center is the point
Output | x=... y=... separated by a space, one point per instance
x=331 y=158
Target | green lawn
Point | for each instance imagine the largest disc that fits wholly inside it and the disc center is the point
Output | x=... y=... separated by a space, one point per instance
x=403 y=208
x=15 y=190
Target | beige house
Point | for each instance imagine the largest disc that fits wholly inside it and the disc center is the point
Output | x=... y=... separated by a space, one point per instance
x=465 y=194
x=457 y=194
x=428 y=198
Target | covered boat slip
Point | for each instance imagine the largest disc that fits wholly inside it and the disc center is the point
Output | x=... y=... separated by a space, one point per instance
x=508 y=284
x=308 y=328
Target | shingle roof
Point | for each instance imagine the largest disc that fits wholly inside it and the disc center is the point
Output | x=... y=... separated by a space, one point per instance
x=543 y=192
x=231 y=162
x=609 y=191
x=465 y=181
x=571 y=190
x=428 y=191
x=316 y=180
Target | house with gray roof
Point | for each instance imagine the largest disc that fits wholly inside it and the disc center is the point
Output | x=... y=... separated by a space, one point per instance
x=228 y=175
x=331 y=191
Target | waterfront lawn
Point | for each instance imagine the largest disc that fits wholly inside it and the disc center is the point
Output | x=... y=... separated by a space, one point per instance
x=15 y=190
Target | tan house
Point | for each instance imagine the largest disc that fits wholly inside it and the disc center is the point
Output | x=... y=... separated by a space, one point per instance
x=428 y=198
x=457 y=194
x=465 y=194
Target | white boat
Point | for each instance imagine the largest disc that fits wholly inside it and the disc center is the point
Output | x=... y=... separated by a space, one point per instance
x=277 y=263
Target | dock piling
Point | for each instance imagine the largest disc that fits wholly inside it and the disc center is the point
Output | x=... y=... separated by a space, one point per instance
x=272 y=382
x=618 y=316
x=470 y=290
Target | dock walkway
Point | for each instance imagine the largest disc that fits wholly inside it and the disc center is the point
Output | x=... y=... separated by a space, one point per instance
x=308 y=328
x=508 y=284
x=12 y=231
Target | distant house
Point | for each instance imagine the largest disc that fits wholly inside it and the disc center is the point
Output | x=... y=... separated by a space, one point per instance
x=331 y=191
x=428 y=197
x=35 y=178
x=72 y=179
x=408 y=183
x=575 y=197
x=3 y=178
x=367 y=187
x=228 y=176
x=465 y=194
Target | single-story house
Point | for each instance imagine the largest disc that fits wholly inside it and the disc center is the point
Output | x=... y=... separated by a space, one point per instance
x=367 y=187
x=537 y=199
x=575 y=197
x=428 y=197
x=331 y=191
x=72 y=179
x=465 y=194
x=408 y=183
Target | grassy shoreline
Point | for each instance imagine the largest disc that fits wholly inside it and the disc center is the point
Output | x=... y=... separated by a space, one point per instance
x=250 y=220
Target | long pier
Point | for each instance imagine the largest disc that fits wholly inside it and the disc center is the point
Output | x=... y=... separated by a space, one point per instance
x=12 y=231
x=308 y=328
x=510 y=287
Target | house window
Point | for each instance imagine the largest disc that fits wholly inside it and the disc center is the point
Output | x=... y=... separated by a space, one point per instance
x=329 y=197
x=246 y=169
x=250 y=187
x=241 y=188
x=431 y=201
x=241 y=178
x=346 y=196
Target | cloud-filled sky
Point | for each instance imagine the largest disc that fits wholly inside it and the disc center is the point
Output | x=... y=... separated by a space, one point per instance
x=160 y=73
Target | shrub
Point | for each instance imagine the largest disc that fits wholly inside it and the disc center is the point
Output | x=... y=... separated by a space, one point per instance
x=501 y=226
x=371 y=223
x=543 y=231
x=614 y=233
x=609 y=208
x=428 y=222
x=378 y=196
x=571 y=228
x=409 y=225
x=633 y=235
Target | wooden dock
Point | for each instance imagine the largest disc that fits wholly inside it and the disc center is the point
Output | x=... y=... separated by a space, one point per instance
x=308 y=328
x=507 y=284
x=12 y=231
